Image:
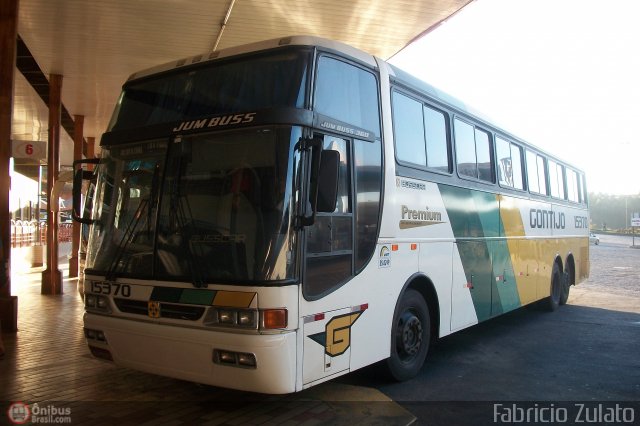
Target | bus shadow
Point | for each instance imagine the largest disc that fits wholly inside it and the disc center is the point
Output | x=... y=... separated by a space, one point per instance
x=526 y=354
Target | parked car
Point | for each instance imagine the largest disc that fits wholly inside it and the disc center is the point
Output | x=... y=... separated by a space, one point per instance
x=593 y=238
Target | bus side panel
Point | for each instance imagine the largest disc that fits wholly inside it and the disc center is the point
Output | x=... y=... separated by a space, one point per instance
x=436 y=262
x=476 y=225
x=523 y=260
x=420 y=215
x=357 y=317
x=381 y=282
x=507 y=297
x=463 y=312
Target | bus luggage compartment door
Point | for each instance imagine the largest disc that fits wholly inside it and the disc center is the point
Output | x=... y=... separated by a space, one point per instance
x=326 y=348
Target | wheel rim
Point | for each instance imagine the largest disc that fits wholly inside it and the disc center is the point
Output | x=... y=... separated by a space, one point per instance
x=408 y=335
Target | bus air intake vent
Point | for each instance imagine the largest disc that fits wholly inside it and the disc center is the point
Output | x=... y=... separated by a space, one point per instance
x=167 y=310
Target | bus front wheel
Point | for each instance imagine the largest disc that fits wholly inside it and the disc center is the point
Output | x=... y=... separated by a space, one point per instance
x=410 y=336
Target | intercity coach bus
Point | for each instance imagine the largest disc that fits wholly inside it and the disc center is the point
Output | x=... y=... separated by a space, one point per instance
x=271 y=216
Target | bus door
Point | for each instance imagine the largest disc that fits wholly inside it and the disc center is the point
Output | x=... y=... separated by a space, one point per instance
x=326 y=319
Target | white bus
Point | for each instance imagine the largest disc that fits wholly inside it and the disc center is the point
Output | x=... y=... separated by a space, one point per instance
x=271 y=216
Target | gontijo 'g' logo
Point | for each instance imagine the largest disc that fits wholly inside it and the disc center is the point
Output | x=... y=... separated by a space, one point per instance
x=336 y=338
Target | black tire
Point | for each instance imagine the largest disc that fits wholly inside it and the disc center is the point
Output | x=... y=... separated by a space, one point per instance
x=566 y=288
x=552 y=302
x=410 y=336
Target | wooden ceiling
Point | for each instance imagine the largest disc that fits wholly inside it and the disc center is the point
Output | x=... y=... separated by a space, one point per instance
x=96 y=45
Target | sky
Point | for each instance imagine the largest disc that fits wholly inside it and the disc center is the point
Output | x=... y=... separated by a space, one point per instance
x=561 y=74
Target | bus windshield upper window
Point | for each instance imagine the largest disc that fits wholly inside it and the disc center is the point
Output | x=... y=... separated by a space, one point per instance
x=269 y=80
x=347 y=93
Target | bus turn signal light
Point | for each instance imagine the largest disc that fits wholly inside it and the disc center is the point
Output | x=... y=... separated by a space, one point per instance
x=274 y=318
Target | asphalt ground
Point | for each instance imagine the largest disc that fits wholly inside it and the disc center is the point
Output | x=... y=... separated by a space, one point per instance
x=586 y=352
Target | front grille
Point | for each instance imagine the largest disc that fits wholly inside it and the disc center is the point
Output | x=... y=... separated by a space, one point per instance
x=167 y=310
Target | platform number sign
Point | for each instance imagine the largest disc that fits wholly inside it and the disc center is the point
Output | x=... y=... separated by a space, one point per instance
x=36 y=150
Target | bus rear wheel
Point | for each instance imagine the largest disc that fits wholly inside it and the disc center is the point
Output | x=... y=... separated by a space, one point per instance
x=552 y=302
x=566 y=287
x=410 y=336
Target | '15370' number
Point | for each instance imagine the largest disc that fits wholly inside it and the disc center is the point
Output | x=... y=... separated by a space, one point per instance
x=103 y=287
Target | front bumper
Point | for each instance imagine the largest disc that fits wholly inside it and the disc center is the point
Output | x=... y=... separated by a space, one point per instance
x=187 y=353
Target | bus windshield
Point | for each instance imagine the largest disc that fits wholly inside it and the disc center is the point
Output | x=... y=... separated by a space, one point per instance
x=264 y=80
x=213 y=207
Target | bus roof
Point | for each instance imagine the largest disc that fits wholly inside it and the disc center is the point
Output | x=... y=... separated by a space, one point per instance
x=396 y=73
x=256 y=47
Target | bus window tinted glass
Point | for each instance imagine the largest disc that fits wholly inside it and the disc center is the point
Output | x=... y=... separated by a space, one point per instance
x=221 y=87
x=368 y=177
x=509 y=163
x=516 y=163
x=409 y=133
x=532 y=173
x=505 y=169
x=483 y=152
x=560 y=173
x=436 y=135
x=542 y=176
x=556 y=180
x=572 y=186
x=553 y=179
x=347 y=93
x=465 y=149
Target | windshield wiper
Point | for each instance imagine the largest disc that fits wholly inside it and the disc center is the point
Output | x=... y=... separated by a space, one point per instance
x=129 y=233
x=179 y=206
x=127 y=238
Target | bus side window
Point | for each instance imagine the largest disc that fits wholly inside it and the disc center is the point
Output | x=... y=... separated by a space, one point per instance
x=509 y=166
x=408 y=126
x=573 y=193
x=473 y=150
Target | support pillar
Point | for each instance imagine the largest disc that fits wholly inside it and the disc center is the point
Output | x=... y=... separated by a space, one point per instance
x=91 y=151
x=8 y=37
x=78 y=138
x=52 y=276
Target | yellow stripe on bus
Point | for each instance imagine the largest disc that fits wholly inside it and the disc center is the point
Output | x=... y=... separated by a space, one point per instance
x=233 y=299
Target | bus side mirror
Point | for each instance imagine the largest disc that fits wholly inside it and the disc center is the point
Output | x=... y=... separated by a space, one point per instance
x=328 y=182
x=79 y=176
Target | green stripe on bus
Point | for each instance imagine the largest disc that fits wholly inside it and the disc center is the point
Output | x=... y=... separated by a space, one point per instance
x=166 y=294
x=475 y=216
x=197 y=297
x=179 y=295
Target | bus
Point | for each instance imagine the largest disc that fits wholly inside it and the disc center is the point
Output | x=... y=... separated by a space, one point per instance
x=271 y=216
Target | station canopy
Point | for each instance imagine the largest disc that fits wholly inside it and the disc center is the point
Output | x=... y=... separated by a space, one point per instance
x=96 y=45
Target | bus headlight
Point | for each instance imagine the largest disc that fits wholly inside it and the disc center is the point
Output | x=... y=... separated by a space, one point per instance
x=90 y=300
x=229 y=317
x=247 y=318
x=226 y=317
x=102 y=302
x=96 y=303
